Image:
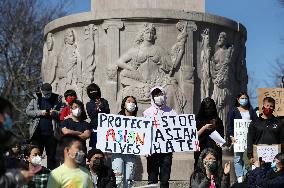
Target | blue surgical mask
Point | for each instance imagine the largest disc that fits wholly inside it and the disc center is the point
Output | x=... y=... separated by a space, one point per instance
x=243 y=102
x=273 y=166
x=7 y=124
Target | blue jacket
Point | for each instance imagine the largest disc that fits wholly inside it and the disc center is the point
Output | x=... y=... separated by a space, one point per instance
x=266 y=178
x=234 y=113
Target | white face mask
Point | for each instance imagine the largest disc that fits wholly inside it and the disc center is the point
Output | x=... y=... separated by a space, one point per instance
x=130 y=107
x=76 y=112
x=159 y=100
x=36 y=160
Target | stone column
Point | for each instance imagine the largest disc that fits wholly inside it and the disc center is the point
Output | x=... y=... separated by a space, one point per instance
x=112 y=27
x=188 y=68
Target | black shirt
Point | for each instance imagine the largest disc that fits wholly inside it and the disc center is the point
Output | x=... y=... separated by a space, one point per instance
x=45 y=124
x=75 y=126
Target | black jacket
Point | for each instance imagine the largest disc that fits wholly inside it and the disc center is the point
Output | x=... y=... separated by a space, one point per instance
x=265 y=178
x=93 y=113
x=106 y=178
x=234 y=113
x=265 y=131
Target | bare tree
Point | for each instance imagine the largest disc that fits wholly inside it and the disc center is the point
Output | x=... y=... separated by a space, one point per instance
x=21 y=39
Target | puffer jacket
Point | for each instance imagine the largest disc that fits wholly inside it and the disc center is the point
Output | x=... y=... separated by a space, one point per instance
x=33 y=111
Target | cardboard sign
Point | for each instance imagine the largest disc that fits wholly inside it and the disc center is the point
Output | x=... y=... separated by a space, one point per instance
x=174 y=134
x=124 y=134
x=240 y=134
x=277 y=94
x=267 y=152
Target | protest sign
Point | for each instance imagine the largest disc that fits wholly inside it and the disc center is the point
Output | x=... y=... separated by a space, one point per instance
x=174 y=134
x=267 y=152
x=277 y=94
x=240 y=134
x=124 y=134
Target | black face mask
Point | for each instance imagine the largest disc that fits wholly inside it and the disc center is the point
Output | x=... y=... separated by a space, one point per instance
x=98 y=164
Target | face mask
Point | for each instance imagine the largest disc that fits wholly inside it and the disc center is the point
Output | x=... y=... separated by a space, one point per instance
x=76 y=112
x=267 y=111
x=36 y=160
x=7 y=124
x=78 y=156
x=159 y=100
x=273 y=166
x=70 y=99
x=130 y=107
x=211 y=165
x=97 y=164
x=243 y=102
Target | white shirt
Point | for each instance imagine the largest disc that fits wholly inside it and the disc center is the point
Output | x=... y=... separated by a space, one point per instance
x=245 y=115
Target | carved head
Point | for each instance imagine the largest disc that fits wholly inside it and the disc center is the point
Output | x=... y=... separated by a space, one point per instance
x=222 y=40
x=205 y=37
x=69 y=37
x=148 y=33
x=49 y=41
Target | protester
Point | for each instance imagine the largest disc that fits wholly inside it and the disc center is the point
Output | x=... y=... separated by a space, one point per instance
x=209 y=171
x=102 y=175
x=75 y=125
x=268 y=176
x=70 y=96
x=44 y=110
x=207 y=121
x=159 y=164
x=242 y=110
x=282 y=82
x=9 y=177
x=123 y=165
x=33 y=157
x=96 y=105
x=70 y=173
x=267 y=129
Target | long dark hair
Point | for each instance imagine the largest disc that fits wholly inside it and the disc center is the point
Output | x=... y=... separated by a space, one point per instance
x=207 y=109
x=122 y=110
x=237 y=104
x=28 y=150
x=81 y=106
x=200 y=171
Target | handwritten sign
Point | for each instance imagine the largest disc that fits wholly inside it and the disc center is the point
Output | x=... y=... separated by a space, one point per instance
x=124 y=134
x=267 y=152
x=240 y=134
x=174 y=134
x=277 y=94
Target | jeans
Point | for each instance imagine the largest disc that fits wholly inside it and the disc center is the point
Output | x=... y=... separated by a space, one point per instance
x=48 y=142
x=123 y=166
x=93 y=140
x=239 y=164
x=159 y=165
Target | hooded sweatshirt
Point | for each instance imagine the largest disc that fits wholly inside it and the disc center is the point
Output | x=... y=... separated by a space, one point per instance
x=155 y=110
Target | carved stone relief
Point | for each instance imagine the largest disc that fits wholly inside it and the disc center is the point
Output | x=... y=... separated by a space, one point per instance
x=147 y=65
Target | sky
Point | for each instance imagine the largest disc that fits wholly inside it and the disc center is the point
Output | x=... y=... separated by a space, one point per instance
x=264 y=21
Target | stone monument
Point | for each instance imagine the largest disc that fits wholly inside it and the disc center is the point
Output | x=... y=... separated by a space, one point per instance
x=129 y=46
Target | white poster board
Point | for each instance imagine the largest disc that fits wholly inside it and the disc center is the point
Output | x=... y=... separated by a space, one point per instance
x=240 y=134
x=124 y=134
x=267 y=152
x=174 y=134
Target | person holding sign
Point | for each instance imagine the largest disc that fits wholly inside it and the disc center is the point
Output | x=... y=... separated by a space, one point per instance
x=159 y=164
x=209 y=171
x=241 y=110
x=123 y=165
x=268 y=175
x=267 y=129
x=207 y=121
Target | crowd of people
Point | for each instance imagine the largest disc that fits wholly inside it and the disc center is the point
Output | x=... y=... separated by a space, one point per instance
x=61 y=129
